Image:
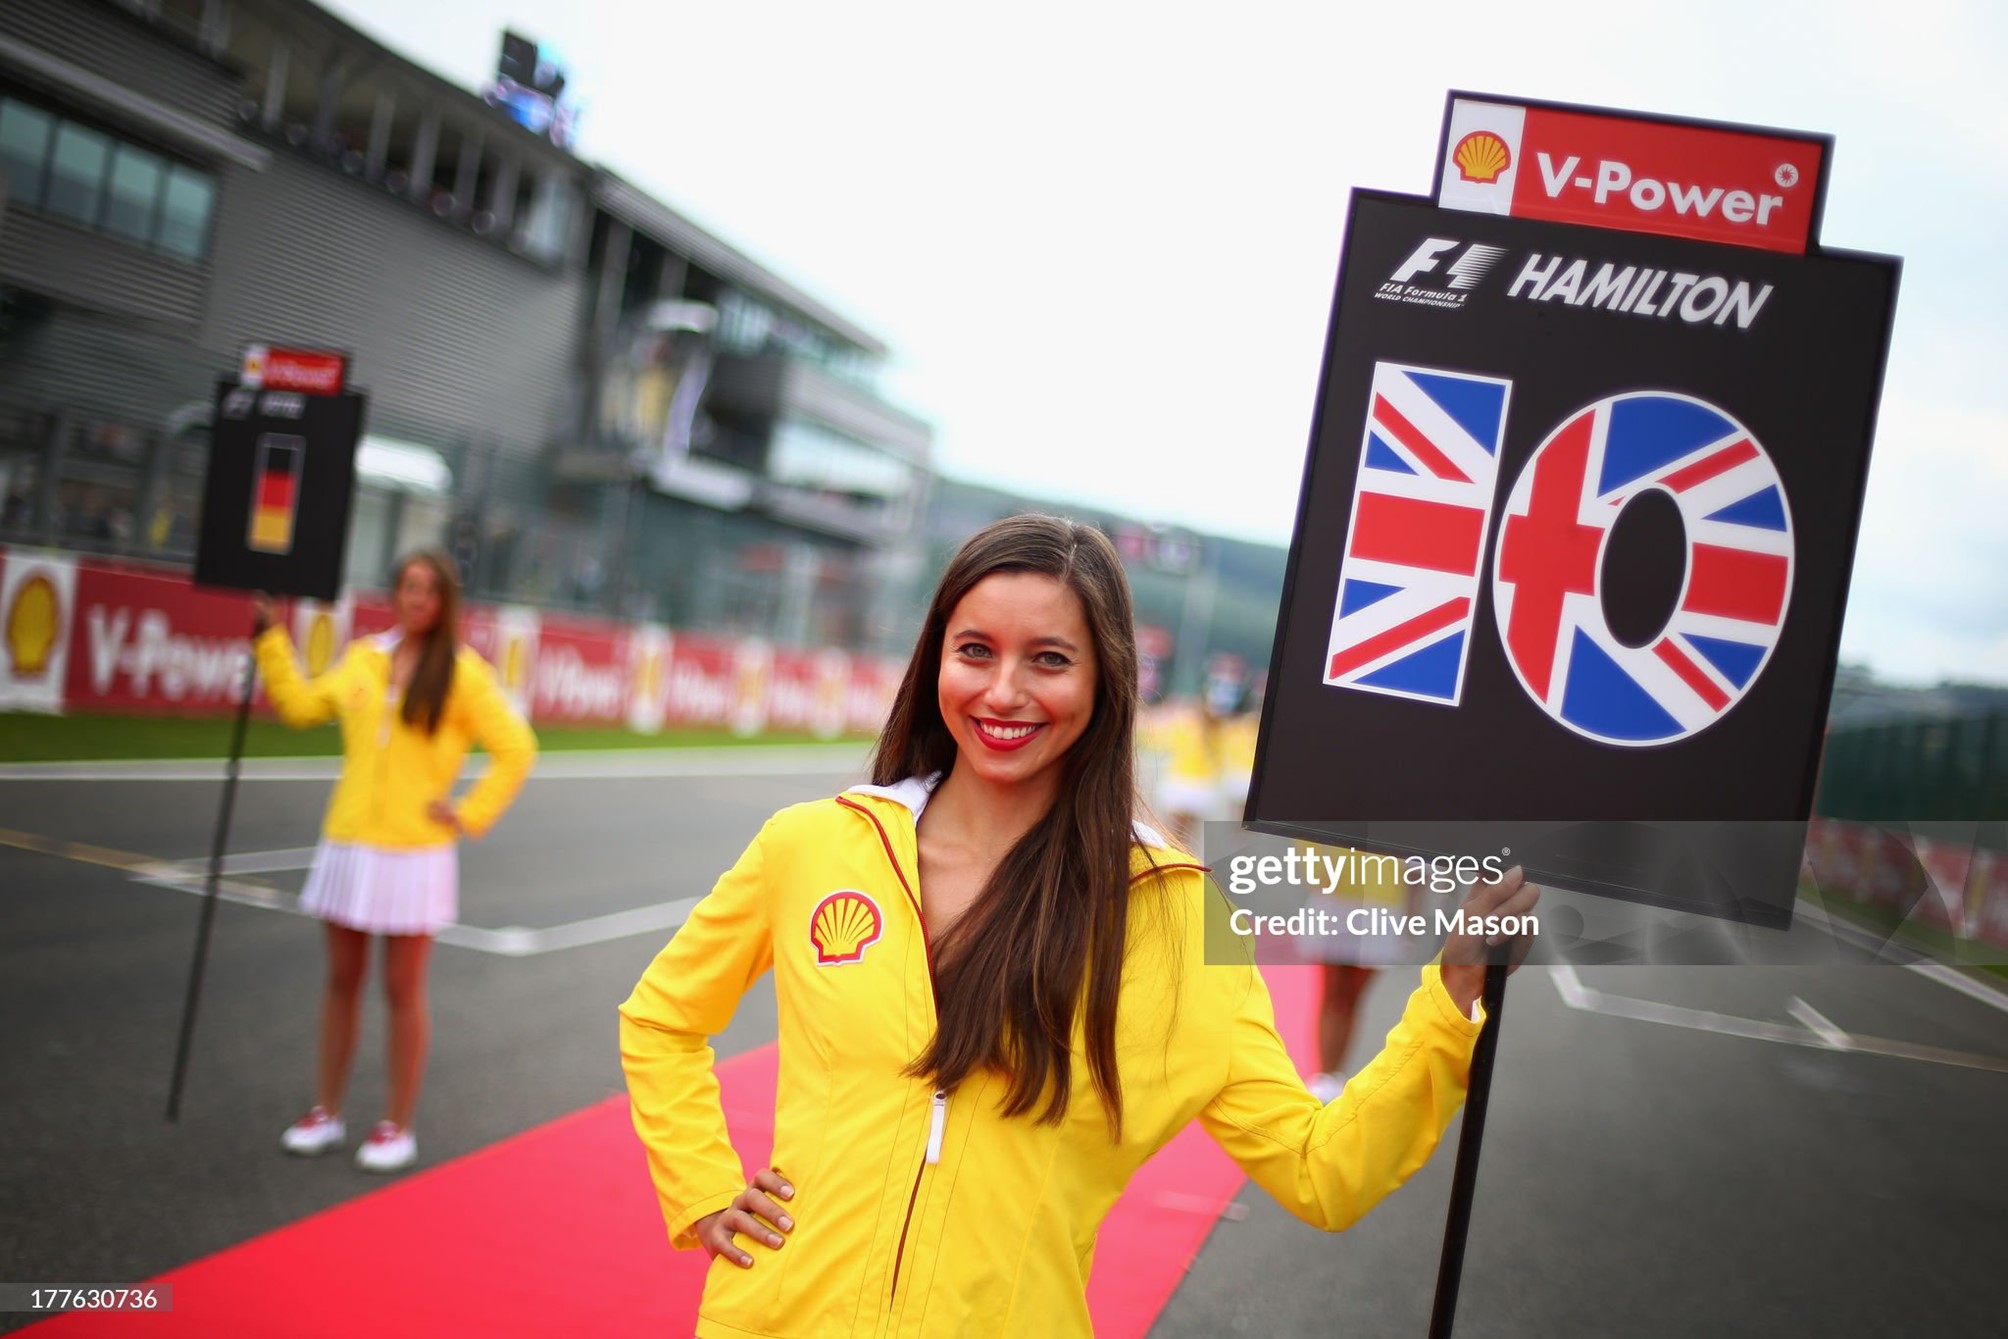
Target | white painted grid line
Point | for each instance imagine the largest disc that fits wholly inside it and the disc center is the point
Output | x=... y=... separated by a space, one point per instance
x=1821 y=1025
x=1571 y=988
x=1954 y=979
x=513 y=941
x=246 y=862
x=1950 y=977
x=1578 y=996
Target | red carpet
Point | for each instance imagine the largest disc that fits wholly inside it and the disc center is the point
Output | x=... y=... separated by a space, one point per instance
x=556 y=1231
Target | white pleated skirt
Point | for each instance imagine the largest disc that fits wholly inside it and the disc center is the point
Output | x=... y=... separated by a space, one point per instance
x=384 y=892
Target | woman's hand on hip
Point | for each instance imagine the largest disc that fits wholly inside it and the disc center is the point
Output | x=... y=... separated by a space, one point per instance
x=754 y=1213
x=1465 y=955
x=439 y=811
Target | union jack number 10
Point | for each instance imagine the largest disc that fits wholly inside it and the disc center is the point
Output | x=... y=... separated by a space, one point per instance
x=1418 y=538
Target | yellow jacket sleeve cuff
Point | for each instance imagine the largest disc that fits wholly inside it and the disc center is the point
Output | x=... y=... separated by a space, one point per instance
x=272 y=644
x=1446 y=1007
x=683 y=1227
x=299 y=702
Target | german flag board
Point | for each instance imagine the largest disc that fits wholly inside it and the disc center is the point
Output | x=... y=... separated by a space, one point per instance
x=275 y=507
x=275 y=492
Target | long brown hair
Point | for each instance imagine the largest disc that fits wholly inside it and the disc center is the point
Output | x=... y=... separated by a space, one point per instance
x=432 y=679
x=1053 y=918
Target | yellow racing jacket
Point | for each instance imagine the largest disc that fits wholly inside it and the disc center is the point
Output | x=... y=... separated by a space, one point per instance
x=391 y=771
x=926 y=1213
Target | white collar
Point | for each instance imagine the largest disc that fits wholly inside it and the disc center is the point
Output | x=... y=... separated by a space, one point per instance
x=916 y=791
x=386 y=642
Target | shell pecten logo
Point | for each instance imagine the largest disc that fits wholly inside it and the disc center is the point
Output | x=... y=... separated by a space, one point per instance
x=648 y=676
x=32 y=624
x=512 y=665
x=843 y=926
x=1481 y=156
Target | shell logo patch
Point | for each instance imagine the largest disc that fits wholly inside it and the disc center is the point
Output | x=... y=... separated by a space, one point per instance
x=843 y=926
x=1481 y=156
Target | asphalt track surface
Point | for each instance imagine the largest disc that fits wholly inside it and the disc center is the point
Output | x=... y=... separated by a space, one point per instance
x=1675 y=1152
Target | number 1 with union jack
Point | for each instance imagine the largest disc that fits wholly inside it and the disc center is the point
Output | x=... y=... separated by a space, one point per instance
x=1416 y=544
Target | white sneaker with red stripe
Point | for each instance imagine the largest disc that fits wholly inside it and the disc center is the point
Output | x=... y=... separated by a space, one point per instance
x=314 y=1133
x=388 y=1149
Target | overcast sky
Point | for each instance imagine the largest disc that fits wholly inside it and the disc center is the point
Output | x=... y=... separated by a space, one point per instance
x=1101 y=238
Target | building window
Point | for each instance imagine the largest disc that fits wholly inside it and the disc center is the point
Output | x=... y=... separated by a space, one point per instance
x=547 y=223
x=749 y=327
x=813 y=458
x=184 y=213
x=743 y=324
x=77 y=173
x=89 y=178
x=135 y=191
x=24 y=149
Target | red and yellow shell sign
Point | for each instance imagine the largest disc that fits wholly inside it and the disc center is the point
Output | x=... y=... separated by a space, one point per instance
x=38 y=619
x=833 y=692
x=752 y=666
x=648 y=674
x=648 y=658
x=1481 y=156
x=843 y=926
x=34 y=622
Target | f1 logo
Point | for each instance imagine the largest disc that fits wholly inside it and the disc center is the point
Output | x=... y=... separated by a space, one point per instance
x=1423 y=259
x=1463 y=274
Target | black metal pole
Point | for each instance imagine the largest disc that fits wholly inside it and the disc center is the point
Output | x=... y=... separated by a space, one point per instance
x=1464 y=1180
x=208 y=917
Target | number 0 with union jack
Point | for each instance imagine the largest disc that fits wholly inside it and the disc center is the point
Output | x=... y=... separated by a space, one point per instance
x=1408 y=581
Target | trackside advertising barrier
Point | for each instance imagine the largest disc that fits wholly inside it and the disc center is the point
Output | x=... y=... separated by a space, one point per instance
x=1951 y=883
x=83 y=634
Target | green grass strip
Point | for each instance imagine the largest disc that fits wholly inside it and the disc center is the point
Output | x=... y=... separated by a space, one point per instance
x=1934 y=941
x=29 y=737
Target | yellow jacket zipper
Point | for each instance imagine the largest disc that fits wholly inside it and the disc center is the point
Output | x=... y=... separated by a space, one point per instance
x=938 y=1115
x=937 y=1122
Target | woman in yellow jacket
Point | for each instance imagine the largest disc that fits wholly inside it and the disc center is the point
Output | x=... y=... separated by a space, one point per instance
x=409 y=702
x=996 y=999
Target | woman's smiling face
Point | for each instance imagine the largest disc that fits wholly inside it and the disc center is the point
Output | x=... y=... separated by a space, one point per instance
x=418 y=599
x=1017 y=685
